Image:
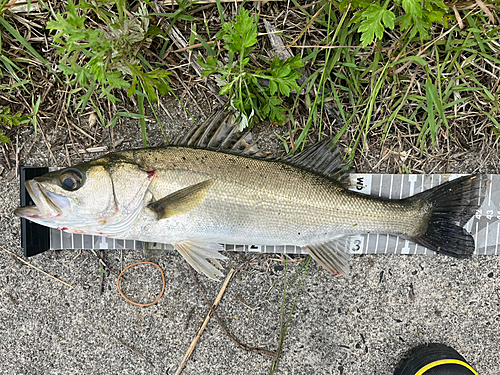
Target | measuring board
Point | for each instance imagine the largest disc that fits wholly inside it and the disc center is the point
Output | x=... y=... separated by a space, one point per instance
x=484 y=225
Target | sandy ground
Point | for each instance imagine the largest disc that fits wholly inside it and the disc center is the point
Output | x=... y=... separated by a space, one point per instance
x=358 y=326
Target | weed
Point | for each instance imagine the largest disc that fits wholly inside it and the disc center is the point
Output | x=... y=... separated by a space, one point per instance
x=253 y=93
x=102 y=59
x=11 y=120
x=374 y=17
x=284 y=323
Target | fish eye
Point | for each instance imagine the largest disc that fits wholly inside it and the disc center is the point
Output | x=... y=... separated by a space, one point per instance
x=71 y=179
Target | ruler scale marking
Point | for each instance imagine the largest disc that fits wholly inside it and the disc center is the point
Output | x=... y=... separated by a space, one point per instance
x=496 y=245
x=490 y=188
x=476 y=236
x=486 y=238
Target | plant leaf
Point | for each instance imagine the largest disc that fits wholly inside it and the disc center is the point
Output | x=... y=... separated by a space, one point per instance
x=371 y=26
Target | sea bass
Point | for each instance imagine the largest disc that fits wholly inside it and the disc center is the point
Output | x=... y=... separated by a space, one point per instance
x=214 y=187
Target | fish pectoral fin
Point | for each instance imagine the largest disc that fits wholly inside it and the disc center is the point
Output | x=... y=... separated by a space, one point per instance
x=181 y=201
x=198 y=253
x=334 y=255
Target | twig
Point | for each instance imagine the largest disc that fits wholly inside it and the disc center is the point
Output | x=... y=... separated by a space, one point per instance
x=105 y=265
x=81 y=265
x=12 y=299
x=205 y=322
x=246 y=304
x=187 y=90
x=307 y=27
x=101 y=274
x=80 y=253
x=134 y=350
x=16 y=153
x=189 y=318
x=9 y=166
x=38 y=269
x=80 y=130
x=254 y=350
x=49 y=147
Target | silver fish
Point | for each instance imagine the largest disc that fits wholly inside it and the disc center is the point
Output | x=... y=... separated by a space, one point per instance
x=213 y=186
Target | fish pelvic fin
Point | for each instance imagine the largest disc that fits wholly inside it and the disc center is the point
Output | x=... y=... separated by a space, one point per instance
x=198 y=253
x=334 y=255
x=451 y=205
x=181 y=201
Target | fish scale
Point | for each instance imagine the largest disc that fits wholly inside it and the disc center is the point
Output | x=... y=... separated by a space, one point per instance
x=271 y=206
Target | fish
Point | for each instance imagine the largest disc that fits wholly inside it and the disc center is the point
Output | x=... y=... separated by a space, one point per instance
x=215 y=186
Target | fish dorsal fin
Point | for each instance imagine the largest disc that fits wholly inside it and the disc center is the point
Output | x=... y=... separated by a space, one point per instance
x=181 y=201
x=199 y=136
x=322 y=158
x=334 y=255
x=220 y=133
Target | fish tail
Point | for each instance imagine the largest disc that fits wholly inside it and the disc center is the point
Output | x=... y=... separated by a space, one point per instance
x=452 y=204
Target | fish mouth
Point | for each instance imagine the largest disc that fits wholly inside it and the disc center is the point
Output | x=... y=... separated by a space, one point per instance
x=47 y=204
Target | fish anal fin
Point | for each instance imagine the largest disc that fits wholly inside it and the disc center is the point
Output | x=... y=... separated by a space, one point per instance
x=181 y=201
x=334 y=255
x=198 y=253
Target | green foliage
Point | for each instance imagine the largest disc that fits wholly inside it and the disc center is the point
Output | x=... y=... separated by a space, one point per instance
x=413 y=16
x=11 y=120
x=106 y=56
x=254 y=93
x=384 y=89
x=372 y=26
x=7 y=64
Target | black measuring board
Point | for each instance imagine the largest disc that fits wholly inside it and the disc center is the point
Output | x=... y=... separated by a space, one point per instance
x=35 y=238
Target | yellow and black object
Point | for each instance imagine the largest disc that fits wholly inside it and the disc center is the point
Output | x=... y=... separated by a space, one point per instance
x=434 y=359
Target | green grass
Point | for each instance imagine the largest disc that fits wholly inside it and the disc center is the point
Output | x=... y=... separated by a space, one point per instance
x=425 y=74
x=379 y=66
x=9 y=64
x=284 y=320
x=8 y=119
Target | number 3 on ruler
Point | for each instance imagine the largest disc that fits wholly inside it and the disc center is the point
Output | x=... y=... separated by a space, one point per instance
x=357 y=243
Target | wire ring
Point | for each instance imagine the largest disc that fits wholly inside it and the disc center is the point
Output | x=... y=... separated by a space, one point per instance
x=137 y=303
